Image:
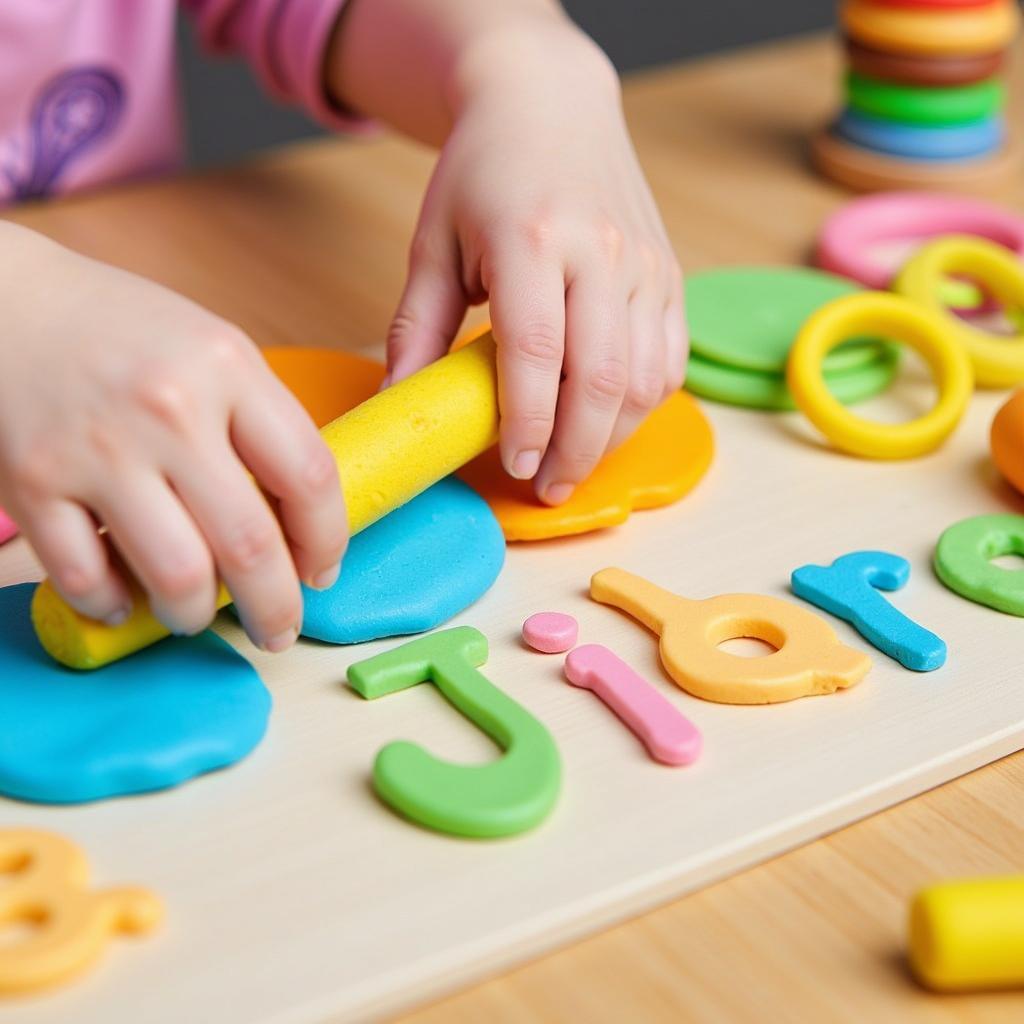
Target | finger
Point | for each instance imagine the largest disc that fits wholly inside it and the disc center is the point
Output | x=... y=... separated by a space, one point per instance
x=647 y=360
x=596 y=375
x=528 y=312
x=428 y=315
x=277 y=440
x=677 y=339
x=249 y=549
x=64 y=536
x=162 y=546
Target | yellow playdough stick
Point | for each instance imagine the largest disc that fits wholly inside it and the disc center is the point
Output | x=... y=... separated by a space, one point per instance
x=389 y=449
x=969 y=934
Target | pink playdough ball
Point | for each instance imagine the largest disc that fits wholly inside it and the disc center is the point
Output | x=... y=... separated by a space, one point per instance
x=551 y=632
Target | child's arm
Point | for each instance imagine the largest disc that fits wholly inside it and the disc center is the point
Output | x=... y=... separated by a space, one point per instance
x=537 y=204
x=125 y=405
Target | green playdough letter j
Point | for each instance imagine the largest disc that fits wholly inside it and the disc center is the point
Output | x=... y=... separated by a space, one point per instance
x=506 y=796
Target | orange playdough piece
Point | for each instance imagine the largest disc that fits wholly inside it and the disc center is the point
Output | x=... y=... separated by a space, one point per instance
x=658 y=465
x=326 y=382
x=1007 y=439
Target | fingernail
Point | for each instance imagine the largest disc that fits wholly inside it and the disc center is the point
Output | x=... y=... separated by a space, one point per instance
x=526 y=464
x=282 y=641
x=327 y=579
x=385 y=383
x=119 y=616
x=556 y=494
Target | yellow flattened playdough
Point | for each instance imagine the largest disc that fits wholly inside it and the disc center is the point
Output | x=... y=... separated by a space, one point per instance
x=969 y=935
x=809 y=659
x=67 y=924
x=388 y=449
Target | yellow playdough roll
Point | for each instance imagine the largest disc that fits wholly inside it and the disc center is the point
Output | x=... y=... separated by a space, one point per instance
x=389 y=449
x=968 y=935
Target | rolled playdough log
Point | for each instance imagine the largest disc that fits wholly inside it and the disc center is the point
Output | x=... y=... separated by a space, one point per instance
x=389 y=449
x=969 y=935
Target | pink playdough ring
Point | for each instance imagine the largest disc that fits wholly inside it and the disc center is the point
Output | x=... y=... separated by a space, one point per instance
x=8 y=528
x=844 y=245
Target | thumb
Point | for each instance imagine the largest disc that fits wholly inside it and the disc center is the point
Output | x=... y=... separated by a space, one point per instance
x=428 y=315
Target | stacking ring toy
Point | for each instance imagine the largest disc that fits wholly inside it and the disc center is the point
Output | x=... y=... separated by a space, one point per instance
x=848 y=238
x=916 y=70
x=963 y=32
x=935 y=4
x=756 y=389
x=891 y=316
x=922 y=142
x=926 y=105
x=998 y=361
x=862 y=170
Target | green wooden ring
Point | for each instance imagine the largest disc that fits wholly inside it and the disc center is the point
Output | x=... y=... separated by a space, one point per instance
x=923 y=105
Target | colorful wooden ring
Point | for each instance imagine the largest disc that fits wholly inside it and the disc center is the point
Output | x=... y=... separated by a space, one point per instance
x=928 y=71
x=890 y=316
x=850 y=239
x=953 y=33
x=922 y=142
x=998 y=361
x=863 y=170
x=928 y=105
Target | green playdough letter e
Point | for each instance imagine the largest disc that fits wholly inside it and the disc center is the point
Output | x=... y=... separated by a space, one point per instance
x=963 y=561
x=509 y=795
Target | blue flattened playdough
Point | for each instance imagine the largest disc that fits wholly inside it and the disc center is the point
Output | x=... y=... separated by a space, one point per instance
x=170 y=712
x=412 y=570
x=849 y=589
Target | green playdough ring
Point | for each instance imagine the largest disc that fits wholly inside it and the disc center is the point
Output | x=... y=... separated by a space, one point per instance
x=748 y=317
x=963 y=561
x=937 y=106
x=757 y=390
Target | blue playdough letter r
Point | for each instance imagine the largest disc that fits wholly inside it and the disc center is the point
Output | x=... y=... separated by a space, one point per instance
x=849 y=589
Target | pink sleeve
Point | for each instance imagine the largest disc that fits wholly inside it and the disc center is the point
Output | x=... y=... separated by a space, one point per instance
x=284 y=40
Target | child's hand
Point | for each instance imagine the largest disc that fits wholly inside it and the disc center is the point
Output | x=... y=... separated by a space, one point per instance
x=127 y=406
x=538 y=203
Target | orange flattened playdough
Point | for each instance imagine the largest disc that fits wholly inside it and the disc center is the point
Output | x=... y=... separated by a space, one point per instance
x=1007 y=439
x=326 y=382
x=659 y=464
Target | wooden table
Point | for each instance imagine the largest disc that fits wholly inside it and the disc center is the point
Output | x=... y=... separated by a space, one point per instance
x=308 y=244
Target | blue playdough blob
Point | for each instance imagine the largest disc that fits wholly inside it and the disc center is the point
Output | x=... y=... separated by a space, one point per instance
x=170 y=712
x=412 y=570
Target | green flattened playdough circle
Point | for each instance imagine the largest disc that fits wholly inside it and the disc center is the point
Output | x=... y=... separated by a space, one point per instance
x=937 y=106
x=963 y=561
x=749 y=317
x=757 y=390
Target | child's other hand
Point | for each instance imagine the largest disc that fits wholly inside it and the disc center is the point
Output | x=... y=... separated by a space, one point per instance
x=125 y=405
x=538 y=204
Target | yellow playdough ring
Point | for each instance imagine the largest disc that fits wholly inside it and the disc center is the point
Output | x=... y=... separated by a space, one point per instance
x=952 y=33
x=998 y=361
x=879 y=315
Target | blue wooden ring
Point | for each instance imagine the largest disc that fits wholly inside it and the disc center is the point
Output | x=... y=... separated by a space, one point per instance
x=920 y=142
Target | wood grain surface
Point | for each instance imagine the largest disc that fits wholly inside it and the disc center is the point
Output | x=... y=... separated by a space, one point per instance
x=306 y=246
